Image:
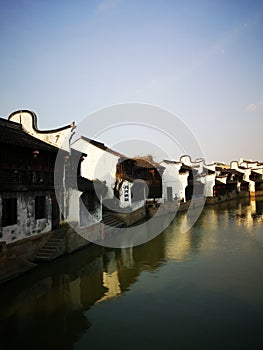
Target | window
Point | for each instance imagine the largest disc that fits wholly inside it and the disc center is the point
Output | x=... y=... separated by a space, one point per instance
x=40 y=207
x=9 y=216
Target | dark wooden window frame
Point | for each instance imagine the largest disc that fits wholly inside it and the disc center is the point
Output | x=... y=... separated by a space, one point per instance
x=9 y=211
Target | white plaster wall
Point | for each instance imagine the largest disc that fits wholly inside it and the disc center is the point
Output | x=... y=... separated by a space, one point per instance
x=234 y=165
x=209 y=185
x=253 y=165
x=74 y=210
x=172 y=178
x=211 y=167
x=197 y=165
x=258 y=170
x=55 y=138
x=98 y=164
x=247 y=173
x=27 y=226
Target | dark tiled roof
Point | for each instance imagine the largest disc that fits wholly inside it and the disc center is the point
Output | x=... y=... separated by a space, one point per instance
x=208 y=171
x=222 y=176
x=167 y=161
x=13 y=134
x=144 y=163
x=231 y=171
x=185 y=168
x=102 y=146
x=250 y=161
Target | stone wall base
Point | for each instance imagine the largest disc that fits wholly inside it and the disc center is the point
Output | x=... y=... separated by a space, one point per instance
x=132 y=217
x=83 y=237
x=14 y=257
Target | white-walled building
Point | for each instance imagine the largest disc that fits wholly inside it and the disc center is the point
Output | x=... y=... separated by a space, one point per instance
x=174 y=181
x=27 y=199
x=100 y=163
x=210 y=180
x=129 y=181
x=75 y=194
x=57 y=137
x=253 y=174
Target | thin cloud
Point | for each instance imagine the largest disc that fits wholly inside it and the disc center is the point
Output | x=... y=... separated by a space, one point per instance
x=254 y=106
x=251 y=108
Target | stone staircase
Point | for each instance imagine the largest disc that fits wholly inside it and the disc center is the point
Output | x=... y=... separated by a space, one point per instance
x=111 y=220
x=53 y=248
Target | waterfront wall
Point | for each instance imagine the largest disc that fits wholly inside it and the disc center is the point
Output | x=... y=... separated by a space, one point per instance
x=132 y=217
x=82 y=238
x=227 y=197
x=26 y=223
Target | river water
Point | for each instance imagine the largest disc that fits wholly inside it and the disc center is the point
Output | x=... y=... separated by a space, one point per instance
x=199 y=290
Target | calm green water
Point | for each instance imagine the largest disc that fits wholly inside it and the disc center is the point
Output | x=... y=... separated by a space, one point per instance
x=198 y=290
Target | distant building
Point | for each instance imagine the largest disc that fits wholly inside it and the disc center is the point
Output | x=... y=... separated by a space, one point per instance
x=130 y=181
x=174 y=181
x=142 y=177
x=254 y=176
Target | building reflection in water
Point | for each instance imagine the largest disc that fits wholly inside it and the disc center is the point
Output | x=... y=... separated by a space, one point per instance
x=177 y=244
x=49 y=305
x=251 y=215
x=204 y=234
x=110 y=277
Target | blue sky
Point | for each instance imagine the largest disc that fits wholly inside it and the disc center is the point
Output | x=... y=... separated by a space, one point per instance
x=201 y=60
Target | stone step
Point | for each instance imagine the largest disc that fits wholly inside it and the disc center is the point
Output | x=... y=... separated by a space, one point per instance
x=55 y=243
x=56 y=239
x=52 y=249
x=111 y=220
x=42 y=256
x=47 y=249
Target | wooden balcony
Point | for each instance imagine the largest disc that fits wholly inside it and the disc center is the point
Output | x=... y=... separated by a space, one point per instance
x=23 y=180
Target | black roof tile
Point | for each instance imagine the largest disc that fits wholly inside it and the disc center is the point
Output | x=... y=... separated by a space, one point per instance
x=13 y=134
